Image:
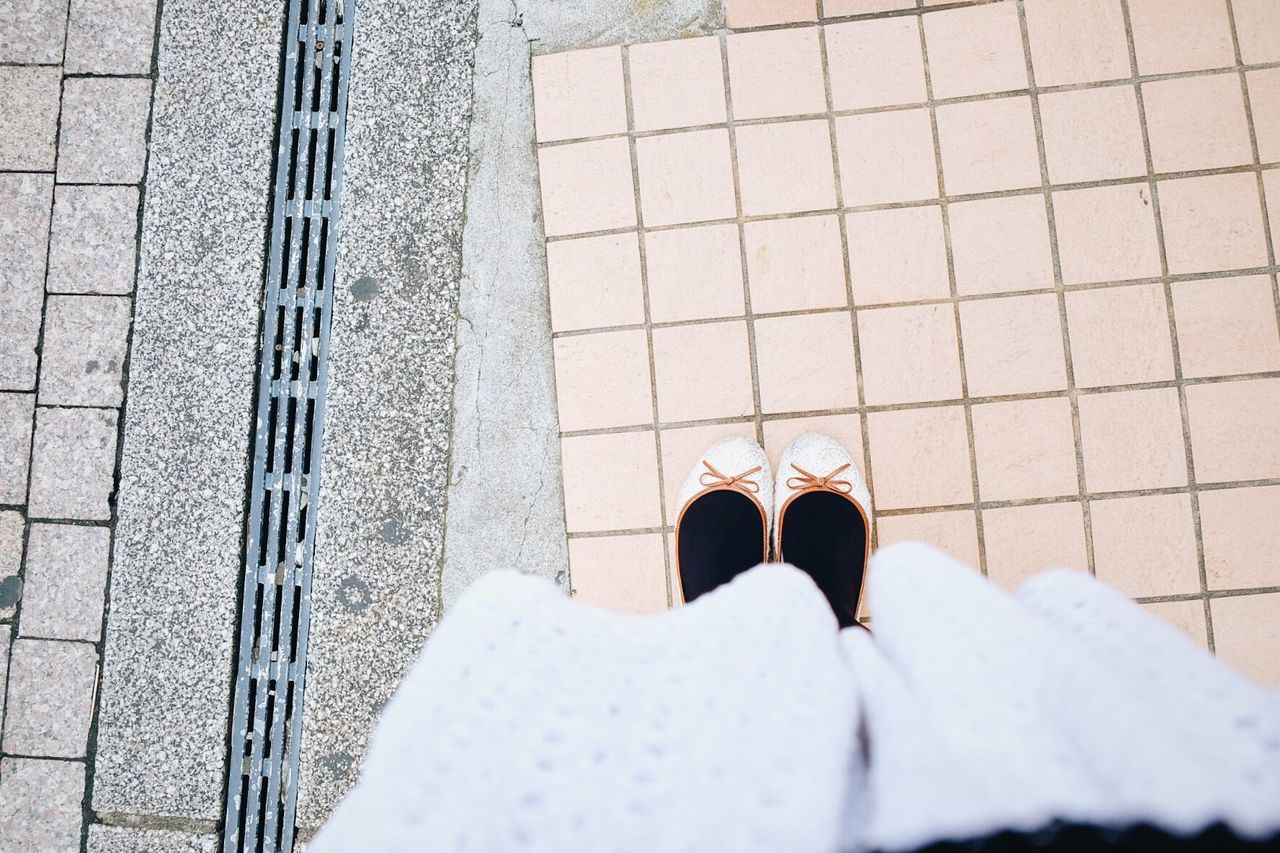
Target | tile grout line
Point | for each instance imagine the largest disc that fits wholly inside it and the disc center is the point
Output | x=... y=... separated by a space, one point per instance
x=1015 y=503
x=915 y=105
x=1167 y=287
x=1073 y=397
x=961 y=298
x=1251 y=126
x=944 y=204
x=922 y=404
x=956 y=198
x=842 y=225
x=752 y=357
x=625 y=58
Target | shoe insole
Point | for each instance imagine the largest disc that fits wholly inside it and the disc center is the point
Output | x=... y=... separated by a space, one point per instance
x=825 y=536
x=721 y=536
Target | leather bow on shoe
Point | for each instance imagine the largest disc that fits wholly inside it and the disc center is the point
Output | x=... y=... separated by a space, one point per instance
x=712 y=478
x=811 y=481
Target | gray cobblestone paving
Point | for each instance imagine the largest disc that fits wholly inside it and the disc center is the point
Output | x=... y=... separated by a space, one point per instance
x=67 y=265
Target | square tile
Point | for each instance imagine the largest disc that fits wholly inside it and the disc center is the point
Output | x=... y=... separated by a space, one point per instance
x=586 y=186
x=975 y=50
x=65 y=582
x=1257 y=22
x=1146 y=546
x=840 y=8
x=44 y=800
x=704 y=371
x=1077 y=41
x=1025 y=449
x=110 y=36
x=595 y=282
x=1226 y=326
x=682 y=451
x=1092 y=134
x=12 y=527
x=25 y=200
x=86 y=339
x=988 y=146
x=886 y=157
x=676 y=83
x=1246 y=635
x=1241 y=538
x=876 y=63
x=897 y=255
x=1025 y=540
x=685 y=177
x=16 y=418
x=920 y=457
x=1106 y=234
x=610 y=482
x=776 y=73
x=1212 y=223
x=909 y=354
x=1013 y=345
x=73 y=460
x=32 y=32
x=785 y=168
x=694 y=273
x=954 y=532
x=1186 y=616
x=29 y=115
x=740 y=14
x=102 y=137
x=623 y=573
x=1197 y=123
x=578 y=93
x=1119 y=335
x=806 y=363
x=1181 y=35
x=795 y=264
x=50 y=698
x=1264 y=103
x=1132 y=440
x=92 y=247
x=602 y=380
x=1235 y=430
x=846 y=429
x=1000 y=244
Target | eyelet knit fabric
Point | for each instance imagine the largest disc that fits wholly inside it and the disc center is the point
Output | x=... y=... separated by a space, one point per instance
x=746 y=722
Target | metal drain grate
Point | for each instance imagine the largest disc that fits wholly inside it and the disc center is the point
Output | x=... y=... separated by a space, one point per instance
x=275 y=607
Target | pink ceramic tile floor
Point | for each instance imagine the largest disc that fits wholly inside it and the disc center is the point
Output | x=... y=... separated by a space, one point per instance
x=1016 y=255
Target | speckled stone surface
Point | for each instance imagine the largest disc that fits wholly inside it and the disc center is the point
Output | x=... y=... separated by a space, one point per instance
x=73 y=460
x=40 y=811
x=110 y=36
x=128 y=839
x=16 y=411
x=6 y=634
x=31 y=31
x=50 y=699
x=24 y=229
x=381 y=512
x=103 y=134
x=168 y=652
x=83 y=351
x=64 y=582
x=92 y=244
x=29 y=116
x=555 y=25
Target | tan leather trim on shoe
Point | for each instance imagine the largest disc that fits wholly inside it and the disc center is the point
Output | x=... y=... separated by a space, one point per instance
x=729 y=484
x=824 y=484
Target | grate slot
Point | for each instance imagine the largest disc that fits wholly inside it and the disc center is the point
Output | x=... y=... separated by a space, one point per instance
x=284 y=489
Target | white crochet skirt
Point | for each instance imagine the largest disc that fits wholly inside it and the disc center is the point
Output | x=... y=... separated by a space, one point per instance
x=745 y=721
